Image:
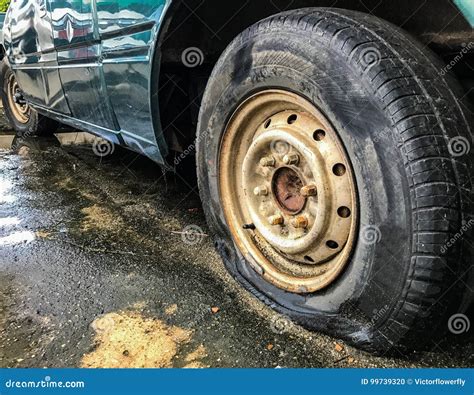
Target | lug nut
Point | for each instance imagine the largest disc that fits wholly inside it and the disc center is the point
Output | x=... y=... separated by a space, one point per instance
x=291 y=159
x=300 y=222
x=276 y=220
x=309 y=190
x=261 y=191
x=269 y=161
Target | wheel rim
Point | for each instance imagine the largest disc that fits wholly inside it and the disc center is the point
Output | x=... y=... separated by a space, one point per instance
x=288 y=191
x=21 y=111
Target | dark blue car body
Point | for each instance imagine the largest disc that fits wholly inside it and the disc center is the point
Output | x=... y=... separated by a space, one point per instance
x=90 y=65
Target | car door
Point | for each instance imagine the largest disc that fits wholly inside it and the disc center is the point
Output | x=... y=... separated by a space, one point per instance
x=30 y=51
x=75 y=40
x=127 y=31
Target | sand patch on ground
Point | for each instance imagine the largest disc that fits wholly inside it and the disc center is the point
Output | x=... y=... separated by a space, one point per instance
x=99 y=218
x=129 y=340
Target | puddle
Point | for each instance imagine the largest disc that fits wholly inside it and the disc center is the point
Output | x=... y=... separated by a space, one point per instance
x=129 y=340
x=15 y=238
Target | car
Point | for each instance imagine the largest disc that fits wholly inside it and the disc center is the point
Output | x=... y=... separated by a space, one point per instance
x=333 y=145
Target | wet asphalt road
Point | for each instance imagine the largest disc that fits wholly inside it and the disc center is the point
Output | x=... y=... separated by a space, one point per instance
x=94 y=272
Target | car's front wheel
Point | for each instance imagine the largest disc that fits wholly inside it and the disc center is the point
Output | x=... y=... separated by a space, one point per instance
x=335 y=167
x=25 y=120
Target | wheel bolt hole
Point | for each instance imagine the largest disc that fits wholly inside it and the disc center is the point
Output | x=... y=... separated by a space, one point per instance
x=339 y=170
x=308 y=259
x=344 y=212
x=292 y=119
x=268 y=123
x=332 y=244
x=319 y=135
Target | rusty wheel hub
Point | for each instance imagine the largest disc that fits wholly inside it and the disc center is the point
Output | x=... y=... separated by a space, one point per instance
x=18 y=106
x=288 y=191
x=286 y=187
